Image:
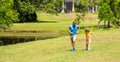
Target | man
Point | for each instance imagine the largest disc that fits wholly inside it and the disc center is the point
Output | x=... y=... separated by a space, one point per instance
x=73 y=30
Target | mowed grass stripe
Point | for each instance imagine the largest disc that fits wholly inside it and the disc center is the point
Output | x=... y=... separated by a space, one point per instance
x=104 y=48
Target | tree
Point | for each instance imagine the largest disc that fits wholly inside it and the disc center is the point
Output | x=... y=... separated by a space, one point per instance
x=7 y=14
x=109 y=12
x=73 y=4
x=79 y=18
x=84 y=6
x=105 y=14
x=58 y=5
x=50 y=6
x=83 y=9
x=115 y=7
x=63 y=6
x=26 y=11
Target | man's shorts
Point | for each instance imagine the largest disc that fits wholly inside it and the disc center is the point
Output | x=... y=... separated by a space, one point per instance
x=74 y=38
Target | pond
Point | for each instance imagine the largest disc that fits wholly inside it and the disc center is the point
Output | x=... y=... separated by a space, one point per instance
x=12 y=37
x=6 y=40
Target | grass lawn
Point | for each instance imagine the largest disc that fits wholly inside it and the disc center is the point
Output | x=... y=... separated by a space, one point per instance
x=105 y=45
x=105 y=48
x=49 y=23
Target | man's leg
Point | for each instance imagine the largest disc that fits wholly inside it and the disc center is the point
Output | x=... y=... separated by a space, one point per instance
x=73 y=42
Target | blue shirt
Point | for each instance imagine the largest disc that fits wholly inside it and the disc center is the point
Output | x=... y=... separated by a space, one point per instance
x=73 y=29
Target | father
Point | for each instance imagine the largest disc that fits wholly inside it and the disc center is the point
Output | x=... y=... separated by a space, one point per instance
x=73 y=30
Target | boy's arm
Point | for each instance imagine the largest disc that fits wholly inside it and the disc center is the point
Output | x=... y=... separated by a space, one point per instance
x=92 y=34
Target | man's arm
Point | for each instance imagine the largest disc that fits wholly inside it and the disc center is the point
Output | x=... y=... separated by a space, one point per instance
x=78 y=30
x=70 y=31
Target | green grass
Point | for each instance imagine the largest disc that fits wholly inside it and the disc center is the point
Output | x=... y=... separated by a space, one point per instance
x=56 y=28
x=56 y=18
x=105 y=48
x=60 y=24
x=105 y=45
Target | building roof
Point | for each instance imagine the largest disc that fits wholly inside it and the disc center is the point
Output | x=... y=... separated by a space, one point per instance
x=70 y=0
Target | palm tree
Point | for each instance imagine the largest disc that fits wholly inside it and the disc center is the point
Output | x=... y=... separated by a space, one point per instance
x=73 y=4
x=63 y=6
x=94 y=5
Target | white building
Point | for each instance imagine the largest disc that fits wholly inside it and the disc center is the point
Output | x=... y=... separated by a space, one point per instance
x=69 y=6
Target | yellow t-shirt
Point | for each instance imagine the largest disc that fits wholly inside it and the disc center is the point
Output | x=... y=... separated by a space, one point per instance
x=88 y=35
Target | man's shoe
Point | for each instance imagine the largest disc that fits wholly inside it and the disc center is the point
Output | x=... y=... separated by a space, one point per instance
x=73 y=49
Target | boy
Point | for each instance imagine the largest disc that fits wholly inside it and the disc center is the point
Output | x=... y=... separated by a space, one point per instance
x=88 y=38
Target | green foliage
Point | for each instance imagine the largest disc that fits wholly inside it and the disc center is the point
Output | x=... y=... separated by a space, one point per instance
x=110 y=11
x=26 y=7
x=105 y=12
x=116 y=22
x=26 y=11
x=84 y=6
x=79 y=18
x=50 y=9
x=7 y=14
x=16 y=11
x=94 y=2
x=49 y=6
x=83 y=10
x=115 y=7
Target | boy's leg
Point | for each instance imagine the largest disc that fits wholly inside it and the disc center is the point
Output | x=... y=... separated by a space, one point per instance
x=88 y=44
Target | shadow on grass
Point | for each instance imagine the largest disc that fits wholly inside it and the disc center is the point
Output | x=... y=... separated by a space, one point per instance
x=69 y=50
x=95 y=27
x=47 y=22
x=77 y=50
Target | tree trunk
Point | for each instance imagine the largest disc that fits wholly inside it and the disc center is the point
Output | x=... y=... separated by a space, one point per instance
x=73 y=4
x=96 y=7
x=118 y=22
x=108 y=24
x=104 y=23
x=93 y=9
x=63 y=6
x=98 y=23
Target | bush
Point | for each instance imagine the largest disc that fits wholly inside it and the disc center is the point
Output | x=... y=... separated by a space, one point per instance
x=26 y=11
x=7 y=14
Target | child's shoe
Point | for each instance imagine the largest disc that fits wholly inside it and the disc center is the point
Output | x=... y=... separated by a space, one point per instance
x=88 y=49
